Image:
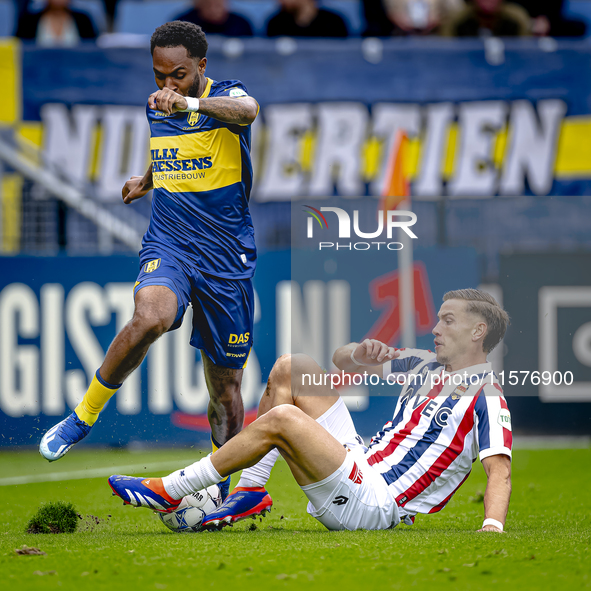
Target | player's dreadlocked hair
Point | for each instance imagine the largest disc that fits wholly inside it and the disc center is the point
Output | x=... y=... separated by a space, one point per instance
x=180 y=33
x=483 y=304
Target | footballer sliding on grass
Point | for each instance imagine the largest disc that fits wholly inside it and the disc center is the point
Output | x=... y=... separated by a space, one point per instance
x=414 y=465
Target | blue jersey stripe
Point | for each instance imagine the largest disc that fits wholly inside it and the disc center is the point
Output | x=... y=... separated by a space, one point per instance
x=483 y=423
x=392 y=425
x=413 y=455
x=430 y=436
x=405 y=364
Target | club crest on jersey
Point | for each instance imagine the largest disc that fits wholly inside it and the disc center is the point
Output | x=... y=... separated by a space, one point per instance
x=151 y=266
x=193 y=118
x=459 y=391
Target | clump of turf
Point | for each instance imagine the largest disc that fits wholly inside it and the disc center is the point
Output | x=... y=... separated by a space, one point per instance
x=54 y=518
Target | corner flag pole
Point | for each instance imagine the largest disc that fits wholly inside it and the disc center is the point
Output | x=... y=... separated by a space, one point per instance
x=396 y=195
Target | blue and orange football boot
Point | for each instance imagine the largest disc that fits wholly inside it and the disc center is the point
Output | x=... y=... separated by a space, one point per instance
x=58 y=441
x=143 y=492
x=241 y=503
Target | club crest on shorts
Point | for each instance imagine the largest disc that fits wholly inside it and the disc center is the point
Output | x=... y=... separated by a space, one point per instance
x=151 y=266
x=193 y=118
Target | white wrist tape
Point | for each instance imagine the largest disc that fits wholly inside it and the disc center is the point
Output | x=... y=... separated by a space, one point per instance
x=353 y=358
x=494 y=522
x=192 y=104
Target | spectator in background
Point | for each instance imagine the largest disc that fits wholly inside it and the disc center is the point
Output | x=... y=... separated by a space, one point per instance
x=214 y=18
x=377 y=22
x=57 y=25
x=420 y=17
x=548 y=20
x=303 y=18
x=110 y=11
x=481 y=18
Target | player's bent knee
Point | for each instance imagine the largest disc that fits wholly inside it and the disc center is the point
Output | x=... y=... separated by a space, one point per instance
x=301 y=364
x=281 y=368
x=289 y=366
x=278 y=421
x=150 y=326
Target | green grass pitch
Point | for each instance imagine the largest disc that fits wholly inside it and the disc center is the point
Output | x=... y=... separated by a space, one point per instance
x=546 y=545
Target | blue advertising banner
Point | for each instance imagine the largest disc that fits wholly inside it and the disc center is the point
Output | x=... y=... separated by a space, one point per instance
x=59 y=315
x=512 y=122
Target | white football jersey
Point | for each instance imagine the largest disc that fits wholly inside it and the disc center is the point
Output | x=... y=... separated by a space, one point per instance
x=440 y=427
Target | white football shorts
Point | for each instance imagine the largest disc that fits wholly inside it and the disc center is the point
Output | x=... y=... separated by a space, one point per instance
x=355 y=496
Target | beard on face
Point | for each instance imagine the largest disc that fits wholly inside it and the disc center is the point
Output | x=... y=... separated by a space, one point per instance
x=194 y=88
x=442 y=358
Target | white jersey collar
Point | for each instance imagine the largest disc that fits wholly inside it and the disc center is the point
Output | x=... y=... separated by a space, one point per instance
x=473 y=369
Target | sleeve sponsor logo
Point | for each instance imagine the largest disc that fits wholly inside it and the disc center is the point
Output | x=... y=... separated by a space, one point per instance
x=236 y=92
x=504 y=418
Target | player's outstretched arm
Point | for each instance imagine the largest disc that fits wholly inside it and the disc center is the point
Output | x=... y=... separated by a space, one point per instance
x=498 y=491
x=137 y=186
x=239 y=110
x=368 y=356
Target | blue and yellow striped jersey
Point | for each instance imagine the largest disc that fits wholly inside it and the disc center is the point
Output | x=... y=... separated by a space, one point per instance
x=202 y=176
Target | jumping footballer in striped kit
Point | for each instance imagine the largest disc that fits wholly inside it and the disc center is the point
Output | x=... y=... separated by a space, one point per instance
x=450 y=412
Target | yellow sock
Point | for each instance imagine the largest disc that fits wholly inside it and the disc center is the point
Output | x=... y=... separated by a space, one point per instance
x=214 y=448
x=97 y=395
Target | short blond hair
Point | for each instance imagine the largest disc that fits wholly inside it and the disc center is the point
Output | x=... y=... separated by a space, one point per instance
x=483 y=304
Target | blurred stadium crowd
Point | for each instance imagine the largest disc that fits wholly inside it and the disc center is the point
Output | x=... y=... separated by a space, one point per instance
x=65 y=23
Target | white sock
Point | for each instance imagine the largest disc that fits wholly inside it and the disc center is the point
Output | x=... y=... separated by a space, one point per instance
x=336 y=420
x=257 y=475
x=195 y=477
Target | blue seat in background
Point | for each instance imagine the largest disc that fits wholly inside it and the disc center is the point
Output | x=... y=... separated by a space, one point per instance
x=7 y=18
x=141 y=18
x=95 y=9
x=351 y=11
x=579 y=10
x=257 y=12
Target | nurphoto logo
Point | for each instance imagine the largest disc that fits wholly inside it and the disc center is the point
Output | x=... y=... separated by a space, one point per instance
x=387 y=220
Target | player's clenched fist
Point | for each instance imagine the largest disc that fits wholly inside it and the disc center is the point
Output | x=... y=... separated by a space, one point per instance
x=167 y=101
x=135 y=188
x=374 y=352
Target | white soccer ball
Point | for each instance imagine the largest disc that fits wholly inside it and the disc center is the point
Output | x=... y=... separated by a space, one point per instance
x=190 y=513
